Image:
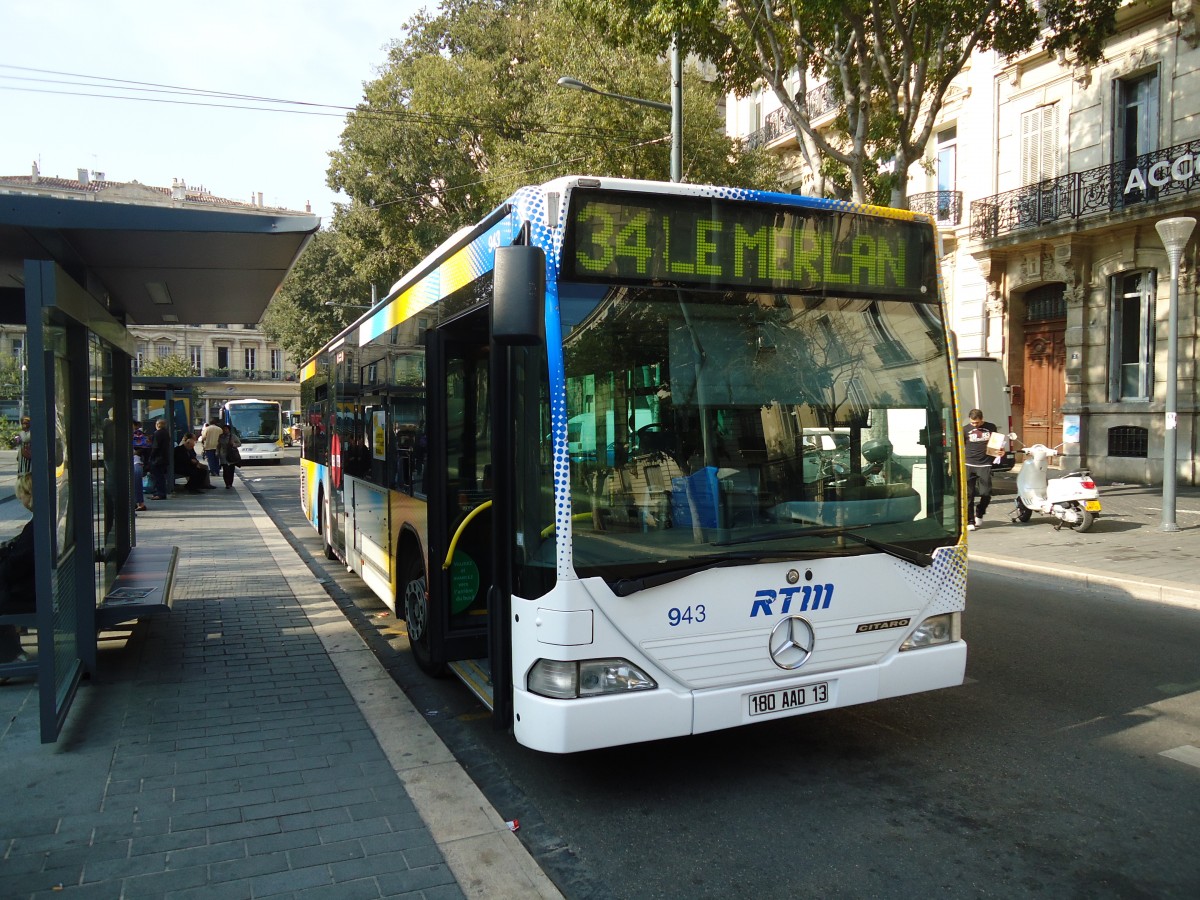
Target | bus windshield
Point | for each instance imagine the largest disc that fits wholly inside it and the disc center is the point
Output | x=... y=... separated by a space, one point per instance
x=709 y=425
x=255 y=423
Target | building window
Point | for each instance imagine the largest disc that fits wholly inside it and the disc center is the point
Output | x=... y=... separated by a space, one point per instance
x=1128 y=441
x=1046 y=303
x=164 y=350
x=195 y=356
x=251 y=357
x=891 y=352
x=1132 y=336
x=1135 y=131
x=947 y=172
x=1039 y=144
x=276 y=360
x=18 y=350
x=223 y=358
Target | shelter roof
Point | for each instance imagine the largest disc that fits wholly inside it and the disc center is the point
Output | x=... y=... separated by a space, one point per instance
x=153 y=262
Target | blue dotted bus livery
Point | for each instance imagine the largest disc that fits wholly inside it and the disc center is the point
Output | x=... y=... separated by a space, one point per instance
x=812 y=597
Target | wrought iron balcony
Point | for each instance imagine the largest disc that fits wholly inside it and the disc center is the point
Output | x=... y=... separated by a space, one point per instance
x=1125 y=186
x=777 y=124
x=251 y=374
x=944 y=206
x=821 y=100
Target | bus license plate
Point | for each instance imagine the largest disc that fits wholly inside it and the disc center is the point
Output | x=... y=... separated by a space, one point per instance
x=1091 y=505
x=788 y=698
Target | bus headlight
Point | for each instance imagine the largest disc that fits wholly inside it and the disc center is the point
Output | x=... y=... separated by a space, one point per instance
x=935 y=630
x=589 y=678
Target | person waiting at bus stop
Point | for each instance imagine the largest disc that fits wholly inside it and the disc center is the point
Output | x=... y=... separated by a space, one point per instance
x=228 y=453
x=17 y=590
x=189 y=465
x=160 y=458
x=209 y=438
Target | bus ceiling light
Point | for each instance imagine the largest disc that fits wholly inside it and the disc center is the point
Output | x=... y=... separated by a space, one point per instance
x=567 y=680
x=943 y=629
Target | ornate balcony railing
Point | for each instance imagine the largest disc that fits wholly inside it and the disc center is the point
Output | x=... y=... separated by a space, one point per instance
x=1114 y=188
x=821 y=100
x=944 y=206
x=251 y=374
x=776 y=125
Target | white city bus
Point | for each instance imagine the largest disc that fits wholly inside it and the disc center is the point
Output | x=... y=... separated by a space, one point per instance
x=639 y=460
x=259 y=424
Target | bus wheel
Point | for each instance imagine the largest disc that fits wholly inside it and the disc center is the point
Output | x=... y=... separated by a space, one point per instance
x=416 y=616
x=329 y=553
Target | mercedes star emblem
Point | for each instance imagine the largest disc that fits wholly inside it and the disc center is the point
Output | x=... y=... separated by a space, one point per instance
x=791 y=642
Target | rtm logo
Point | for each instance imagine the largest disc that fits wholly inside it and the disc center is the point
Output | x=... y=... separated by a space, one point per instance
x=813 y=596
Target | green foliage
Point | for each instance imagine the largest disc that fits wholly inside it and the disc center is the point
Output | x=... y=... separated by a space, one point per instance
x=890 y=63
x=173 y=366
x=10 y=377
x=318 y=297
x=467 y=109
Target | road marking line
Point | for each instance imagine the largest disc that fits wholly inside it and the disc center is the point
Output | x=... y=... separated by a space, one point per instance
x=1185 y=754
x=1178 y=512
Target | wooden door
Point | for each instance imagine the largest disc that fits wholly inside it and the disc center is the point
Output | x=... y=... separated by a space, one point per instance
x=1045 y=382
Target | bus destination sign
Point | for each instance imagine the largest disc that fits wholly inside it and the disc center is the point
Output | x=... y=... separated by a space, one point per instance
x=736 y=244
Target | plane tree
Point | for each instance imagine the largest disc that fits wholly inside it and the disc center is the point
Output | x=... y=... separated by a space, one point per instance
x=888 y=63
x=464 y=109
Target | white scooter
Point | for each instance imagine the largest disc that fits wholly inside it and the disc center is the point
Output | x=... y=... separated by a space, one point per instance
x=1072 y=498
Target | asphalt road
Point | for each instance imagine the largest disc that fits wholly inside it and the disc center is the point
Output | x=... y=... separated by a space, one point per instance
x=1042 y=776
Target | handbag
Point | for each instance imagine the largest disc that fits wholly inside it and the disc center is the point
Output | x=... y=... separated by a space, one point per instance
x=232 y=456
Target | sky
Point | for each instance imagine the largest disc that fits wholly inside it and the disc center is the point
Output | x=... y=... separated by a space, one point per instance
x=314 y=51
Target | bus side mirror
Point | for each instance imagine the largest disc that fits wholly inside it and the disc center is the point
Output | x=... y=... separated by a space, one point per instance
x=518 y=296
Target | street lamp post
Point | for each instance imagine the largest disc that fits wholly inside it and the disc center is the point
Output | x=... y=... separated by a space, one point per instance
x=1174 y=233
x=675 y=107
x=339 y=305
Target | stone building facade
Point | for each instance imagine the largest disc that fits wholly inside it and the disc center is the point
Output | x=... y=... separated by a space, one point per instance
x=247 y=363
x=1047 y=180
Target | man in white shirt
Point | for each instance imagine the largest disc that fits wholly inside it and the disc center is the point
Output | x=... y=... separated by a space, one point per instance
x=210 y=437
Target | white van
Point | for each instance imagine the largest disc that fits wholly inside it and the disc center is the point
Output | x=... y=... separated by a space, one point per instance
x=982 y=385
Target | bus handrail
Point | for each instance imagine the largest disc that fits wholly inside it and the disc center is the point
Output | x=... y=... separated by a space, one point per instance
x=462 y=526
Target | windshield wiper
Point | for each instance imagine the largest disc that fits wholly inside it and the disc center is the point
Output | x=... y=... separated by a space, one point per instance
x=626 y=586
x=913 y=556
x=924 y=560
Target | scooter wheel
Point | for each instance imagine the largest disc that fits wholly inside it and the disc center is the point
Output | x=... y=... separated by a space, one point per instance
x=1086 y=520
x=1024 y=513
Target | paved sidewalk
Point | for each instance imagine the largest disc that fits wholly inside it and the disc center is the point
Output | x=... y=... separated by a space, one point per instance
x=246 y=745
x=249 y=745
x=1124 y=554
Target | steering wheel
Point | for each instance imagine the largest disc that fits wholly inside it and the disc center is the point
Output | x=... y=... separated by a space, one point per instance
x=656 y=437
x=832 y=468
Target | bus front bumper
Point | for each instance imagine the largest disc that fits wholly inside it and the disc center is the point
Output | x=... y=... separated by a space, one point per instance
x=570 y=726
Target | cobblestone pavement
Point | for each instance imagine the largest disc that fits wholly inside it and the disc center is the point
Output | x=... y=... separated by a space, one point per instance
x=245 y=745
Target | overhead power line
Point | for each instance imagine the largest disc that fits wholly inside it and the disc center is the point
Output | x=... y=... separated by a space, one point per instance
x=275 y=104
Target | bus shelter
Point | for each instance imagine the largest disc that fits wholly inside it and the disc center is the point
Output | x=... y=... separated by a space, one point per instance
x=75 y=273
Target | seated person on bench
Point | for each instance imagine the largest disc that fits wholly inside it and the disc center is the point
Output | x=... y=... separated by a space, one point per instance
x=17 y=591
x=188 y=465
